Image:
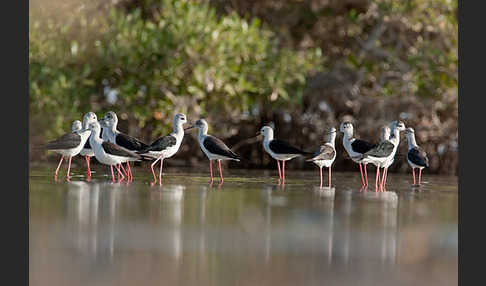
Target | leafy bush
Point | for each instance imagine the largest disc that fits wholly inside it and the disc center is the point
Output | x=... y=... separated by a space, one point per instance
x=183 y=58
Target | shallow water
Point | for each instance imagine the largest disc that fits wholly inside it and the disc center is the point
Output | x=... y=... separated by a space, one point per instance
x=249 y=231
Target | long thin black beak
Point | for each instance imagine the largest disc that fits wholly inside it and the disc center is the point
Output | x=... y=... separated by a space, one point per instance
x=190 y=127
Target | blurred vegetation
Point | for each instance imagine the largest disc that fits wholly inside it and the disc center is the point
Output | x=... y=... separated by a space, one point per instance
x=184 y=58
x=245 y=63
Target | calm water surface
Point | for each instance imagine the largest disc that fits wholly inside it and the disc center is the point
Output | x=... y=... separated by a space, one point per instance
x=249 y=231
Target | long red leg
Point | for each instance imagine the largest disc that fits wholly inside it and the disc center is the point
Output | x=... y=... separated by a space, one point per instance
x=58 y=166
x=160 y=172
x=413 y=172
x=117 y=174
x=153 y=172
x=88 y=171
x=383 y=178
x=366 y=174
x=420 y=175
x=220 y=172
x=112 y=175
x=129 y=172
x=329 y=176
x=211 y=170
x=69 y=169
x=320 y=174
x=124 y=171
x=120 y=173
x=279 y=172
x=376 y=178
x=283 y=172
x=361 y=171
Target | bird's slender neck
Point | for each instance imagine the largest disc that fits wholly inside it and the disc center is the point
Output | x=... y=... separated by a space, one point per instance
x=178 y=129
x=396 y=136
x=203 y=131
x=411 y=141
x=94 y=138
x=112 y=128
x=347 y=135
x=85 y=124
x=268 y=136
x=332 y=138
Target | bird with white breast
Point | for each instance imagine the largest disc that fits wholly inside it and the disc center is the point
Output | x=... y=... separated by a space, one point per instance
x=70 y=144
x=325 y=156
x=279 y=150
x=166 y=146
x=109 y=153
x=356 y=148
x=214 y=148
x=111 y=134
x=416 y=156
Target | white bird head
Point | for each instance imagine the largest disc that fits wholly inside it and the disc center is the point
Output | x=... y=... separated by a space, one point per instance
x=95 y=127
x=77 y=125
x=201 y=123
x=179 y=119
x=267 y=132
x=332 y=135
x=89 y=118
x=346 y=128
x=398 y=125
x=110 y=120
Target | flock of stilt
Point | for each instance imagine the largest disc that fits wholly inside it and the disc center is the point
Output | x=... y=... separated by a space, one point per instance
x=109 y=146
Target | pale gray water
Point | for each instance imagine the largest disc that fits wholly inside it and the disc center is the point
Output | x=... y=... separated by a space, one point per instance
x=248 y=232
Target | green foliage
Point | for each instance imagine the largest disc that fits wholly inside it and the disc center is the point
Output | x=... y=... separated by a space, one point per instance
x=183 y=58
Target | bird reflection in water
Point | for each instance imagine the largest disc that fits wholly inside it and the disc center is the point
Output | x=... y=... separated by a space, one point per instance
x=167 y=210
x=91 y=219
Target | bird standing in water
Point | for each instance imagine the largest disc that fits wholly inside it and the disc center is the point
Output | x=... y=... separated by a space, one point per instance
x=279 y=150
x=111 y=134
x=214 y=148
x=70 y=144
x=416 y=156
x=166 y=146
x=325 y=156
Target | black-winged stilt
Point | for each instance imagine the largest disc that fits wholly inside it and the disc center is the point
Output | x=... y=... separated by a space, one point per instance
x=70 y=144
x=385 y=150
x=87 y=153
x=111 y=134
x=325 y=156
x=392 y=134
x=279 y=150
x=109 y=153
x=416 y=156
x=166 y=146
x=214 y=148
x=356 y=148
x=76 y=126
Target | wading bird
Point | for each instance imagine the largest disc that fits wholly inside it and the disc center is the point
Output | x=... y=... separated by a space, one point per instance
x=214 y=148
x=356 y=148
x=394 y=136
x=70 y=144
x=110 y=133
x=109 y=153
x=325 y=156
x=166 y=146
x=416 y=156
x=279 y=150
x=384 y=151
